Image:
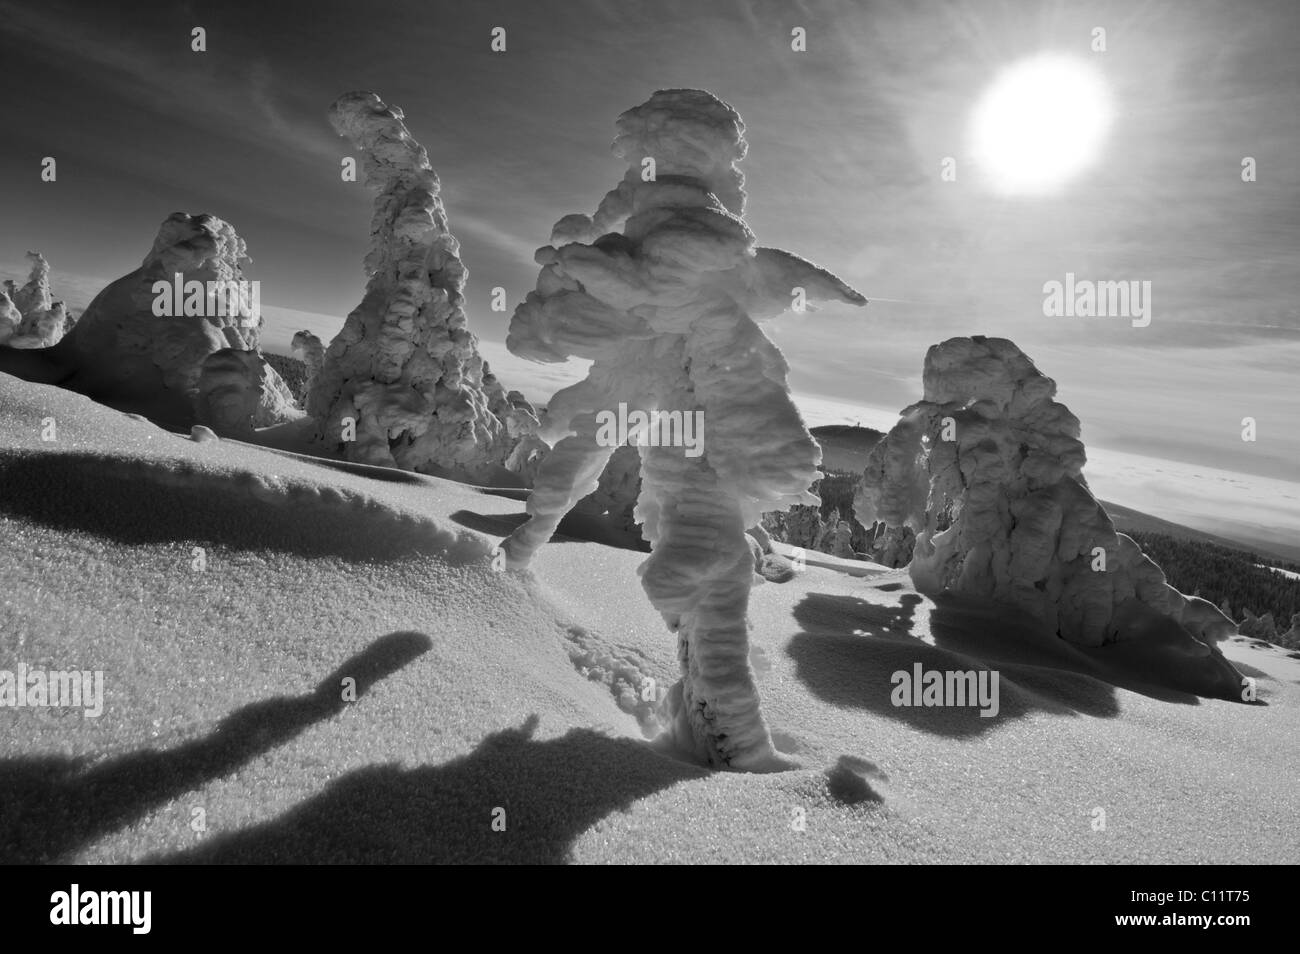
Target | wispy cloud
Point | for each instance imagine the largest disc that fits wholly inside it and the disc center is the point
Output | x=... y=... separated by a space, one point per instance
x=237 y=104
x=845 y=144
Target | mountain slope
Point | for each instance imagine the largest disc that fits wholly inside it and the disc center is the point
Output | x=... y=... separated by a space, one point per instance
x=479 y=691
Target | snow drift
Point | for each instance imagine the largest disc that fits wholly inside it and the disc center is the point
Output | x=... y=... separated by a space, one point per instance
x=666 y=309
x=988 y=470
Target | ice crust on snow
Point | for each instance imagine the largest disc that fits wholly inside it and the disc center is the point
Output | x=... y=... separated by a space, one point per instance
x=1002 y=509
x=405 y=368
x=662 y=289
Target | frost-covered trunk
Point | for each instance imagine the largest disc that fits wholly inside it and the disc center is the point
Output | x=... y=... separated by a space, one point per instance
x=568 y=473
x=699 y=576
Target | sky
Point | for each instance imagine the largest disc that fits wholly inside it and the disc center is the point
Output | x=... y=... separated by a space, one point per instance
x=848 y=140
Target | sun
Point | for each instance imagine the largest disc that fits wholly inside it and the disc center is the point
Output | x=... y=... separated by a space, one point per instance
x=1039 y=124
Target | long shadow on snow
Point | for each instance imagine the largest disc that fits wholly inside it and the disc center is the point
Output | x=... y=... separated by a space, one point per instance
x=849 y=649
x=136 y=502
x=51 y=806
x=552 y=791
x=575 y=527
x=1167 y=664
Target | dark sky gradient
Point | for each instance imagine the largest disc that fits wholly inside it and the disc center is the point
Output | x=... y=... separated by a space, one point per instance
x=845 y=146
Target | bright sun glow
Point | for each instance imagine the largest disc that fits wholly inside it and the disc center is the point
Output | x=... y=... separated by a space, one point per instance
x=1040 y=123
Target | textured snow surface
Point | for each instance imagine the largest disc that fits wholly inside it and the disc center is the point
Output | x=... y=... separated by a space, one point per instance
x=988 y=469
x=405 y=368
x=666 y=309
x=222 y=689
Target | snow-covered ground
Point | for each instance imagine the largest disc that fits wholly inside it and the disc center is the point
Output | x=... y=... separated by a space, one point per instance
x=479 y=690
x=1289 y=574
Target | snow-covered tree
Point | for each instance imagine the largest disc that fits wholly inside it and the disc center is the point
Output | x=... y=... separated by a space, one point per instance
x=662 y=289
x=43 y=320
x=308 y=349
x=988 y=470
x=406 y=368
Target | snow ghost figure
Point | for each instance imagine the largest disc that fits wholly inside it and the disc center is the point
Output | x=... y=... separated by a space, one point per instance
x=308 y=349
x=228 y=392
x=666 y=309
x=988 y=470
x=10 y=317
x=406 y=368
x=35 y=296
x=239 y=391
x=131 y=354
x=43 y=320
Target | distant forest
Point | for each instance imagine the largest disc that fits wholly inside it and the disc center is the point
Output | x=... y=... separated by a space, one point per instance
x=1217 y=573
x=836 y=489
x=294 y=373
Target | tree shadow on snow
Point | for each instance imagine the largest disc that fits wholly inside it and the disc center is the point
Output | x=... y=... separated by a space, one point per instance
x=137 y=502
x=51 y=805
x=576 y=527
x=551 y=792
x=371 y=471
x=492 y=524
x=1165 y=663
x=849 y=649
